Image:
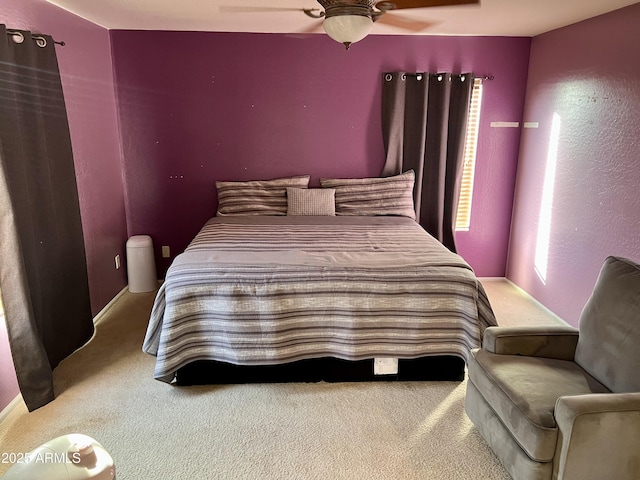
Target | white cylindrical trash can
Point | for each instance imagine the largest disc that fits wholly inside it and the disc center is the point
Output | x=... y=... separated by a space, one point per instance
x=141 y=264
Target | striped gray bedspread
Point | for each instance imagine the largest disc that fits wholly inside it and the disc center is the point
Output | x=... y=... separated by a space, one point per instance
x=269 y=290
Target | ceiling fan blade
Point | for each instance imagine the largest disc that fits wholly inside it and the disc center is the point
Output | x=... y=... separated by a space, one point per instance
x=404 y=23
x=238 y=9
x=399 y=4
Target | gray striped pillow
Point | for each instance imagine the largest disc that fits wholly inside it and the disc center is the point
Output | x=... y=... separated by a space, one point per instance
x=311 y=201
x=374 y=196
x=257 y=197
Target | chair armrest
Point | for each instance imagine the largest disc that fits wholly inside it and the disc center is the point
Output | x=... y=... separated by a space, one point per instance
x=598 y=436
x=550 y=341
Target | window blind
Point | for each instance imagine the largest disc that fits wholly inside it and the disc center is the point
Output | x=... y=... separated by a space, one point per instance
x=463 y=217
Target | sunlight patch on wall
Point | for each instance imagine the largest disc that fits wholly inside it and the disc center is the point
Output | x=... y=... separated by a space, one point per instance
x=544 y=222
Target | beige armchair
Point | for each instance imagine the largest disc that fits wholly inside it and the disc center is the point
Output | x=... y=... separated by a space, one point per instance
x=563 y=403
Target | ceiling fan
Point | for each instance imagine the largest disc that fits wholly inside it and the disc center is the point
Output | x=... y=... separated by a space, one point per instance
x=349 y=21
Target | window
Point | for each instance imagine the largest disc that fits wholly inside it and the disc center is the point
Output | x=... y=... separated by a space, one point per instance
x=463 y=218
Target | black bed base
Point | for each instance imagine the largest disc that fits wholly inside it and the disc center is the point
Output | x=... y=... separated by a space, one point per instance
x=208 y=372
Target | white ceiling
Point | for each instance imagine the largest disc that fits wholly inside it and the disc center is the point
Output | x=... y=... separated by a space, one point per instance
x=492 y=17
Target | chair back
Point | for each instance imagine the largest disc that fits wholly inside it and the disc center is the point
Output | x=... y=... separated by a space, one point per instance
x=609 y=341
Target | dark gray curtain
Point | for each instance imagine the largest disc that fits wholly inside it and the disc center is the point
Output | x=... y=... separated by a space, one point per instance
x=424 y=121
x=43 y=273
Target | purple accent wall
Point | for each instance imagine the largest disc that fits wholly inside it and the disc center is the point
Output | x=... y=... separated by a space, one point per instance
x=199 y=107
x=87 y=79
x=588 y=75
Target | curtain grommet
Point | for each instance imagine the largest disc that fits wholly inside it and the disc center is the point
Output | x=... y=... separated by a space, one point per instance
x=388 y=77
x=40 y=41
x=17 y=37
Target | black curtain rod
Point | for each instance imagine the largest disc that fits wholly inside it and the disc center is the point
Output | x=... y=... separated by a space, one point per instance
x=39 y=39
x=484 y=77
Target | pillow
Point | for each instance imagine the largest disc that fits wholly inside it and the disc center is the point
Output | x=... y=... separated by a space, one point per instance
x=257 y=197
x=314 y=201
x=374 y=196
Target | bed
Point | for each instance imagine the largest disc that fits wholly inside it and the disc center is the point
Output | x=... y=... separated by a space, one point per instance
x=258 y=291
x=290 y=283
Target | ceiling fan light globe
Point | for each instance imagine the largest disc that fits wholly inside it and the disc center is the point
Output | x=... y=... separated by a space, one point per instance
x=347 y=29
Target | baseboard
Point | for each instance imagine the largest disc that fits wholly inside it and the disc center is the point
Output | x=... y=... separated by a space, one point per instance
x=109 y=305
x=7 y=410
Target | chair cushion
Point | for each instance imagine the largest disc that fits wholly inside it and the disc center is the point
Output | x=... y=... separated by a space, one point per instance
x=523 y=392
x=608 y=345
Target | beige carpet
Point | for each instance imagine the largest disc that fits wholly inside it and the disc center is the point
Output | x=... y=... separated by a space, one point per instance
x=512 y=306
x=409 y=430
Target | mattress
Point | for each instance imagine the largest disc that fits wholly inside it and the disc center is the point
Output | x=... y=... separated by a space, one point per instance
x=266 y=290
